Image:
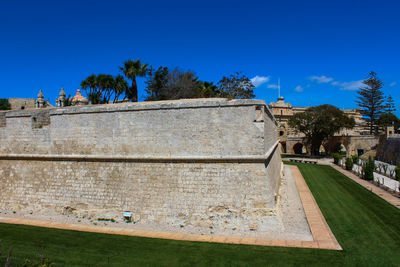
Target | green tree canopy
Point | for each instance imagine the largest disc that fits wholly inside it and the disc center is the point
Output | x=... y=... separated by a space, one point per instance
x=389 y=119
x=181 y=84
x=208 y=89
x=371 y=100
x=236 y=85
x=101 y=88
x=318 y=123
x=4 y=104
x=166 y=84
x=156 y=83
x=390 y=106
x=131 y=70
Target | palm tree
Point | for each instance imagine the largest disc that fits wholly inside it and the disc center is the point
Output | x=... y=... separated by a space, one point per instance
x=106 y=85
x=131 y=70
x=207 y=89
x=91 y=86
x=91 y=83
x=120 y=86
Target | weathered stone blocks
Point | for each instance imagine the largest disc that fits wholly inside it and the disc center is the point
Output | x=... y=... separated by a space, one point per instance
x=209 y=163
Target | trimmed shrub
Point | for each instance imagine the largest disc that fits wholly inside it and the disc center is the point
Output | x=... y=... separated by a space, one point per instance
x=336 y=158
x=349 y=164
x=397 y=170
x=355 y=159
x=369 y=170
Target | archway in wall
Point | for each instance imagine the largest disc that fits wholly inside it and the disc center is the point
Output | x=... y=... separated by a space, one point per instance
x=298 y=148
x=282 y=130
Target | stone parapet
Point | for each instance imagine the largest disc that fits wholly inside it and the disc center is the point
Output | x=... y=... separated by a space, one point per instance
x=213 y=127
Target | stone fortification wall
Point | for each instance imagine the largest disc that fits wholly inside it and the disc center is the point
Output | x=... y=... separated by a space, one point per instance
x=198 y=162
x=389 y=150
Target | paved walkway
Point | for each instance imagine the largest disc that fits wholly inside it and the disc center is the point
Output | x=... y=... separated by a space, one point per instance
x=320 y=230
x=395 y=201
x=322 y=235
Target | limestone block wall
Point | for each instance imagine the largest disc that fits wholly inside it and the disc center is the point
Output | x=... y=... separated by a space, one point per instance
x=22 y=103
x=2 y=119
x=210 y=162
x=389 y=150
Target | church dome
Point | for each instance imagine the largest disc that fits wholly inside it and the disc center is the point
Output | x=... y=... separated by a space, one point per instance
x=78 y=99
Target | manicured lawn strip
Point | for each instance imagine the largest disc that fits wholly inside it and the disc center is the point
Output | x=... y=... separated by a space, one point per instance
x=366 y=227
x=79 y=248
x=364 y=224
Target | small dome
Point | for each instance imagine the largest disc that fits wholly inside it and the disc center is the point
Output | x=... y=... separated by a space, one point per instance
x=78 y=99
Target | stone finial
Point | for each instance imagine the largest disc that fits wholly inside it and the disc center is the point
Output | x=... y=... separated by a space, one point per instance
x=40 y=95
x=40 y=103
x=62 y=93
x=61 y=99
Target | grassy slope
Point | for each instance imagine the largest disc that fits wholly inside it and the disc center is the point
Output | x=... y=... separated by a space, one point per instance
x=366 y=226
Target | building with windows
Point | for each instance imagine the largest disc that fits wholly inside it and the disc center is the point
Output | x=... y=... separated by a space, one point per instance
x=353 y=141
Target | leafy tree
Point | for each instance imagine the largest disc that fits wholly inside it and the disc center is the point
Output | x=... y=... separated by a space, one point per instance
x=388 y=119
x=166 y=84
x=120 y=86
x=390 y=106
x=156 y=83
x=106 y=86
x=90 y=84
x=207 y=89
x=236 y=85
x=181 y=84
x=318 y=123
x=371 y=99
x=93 y=91
x=101 y=88
x=131 y=70
x=4 y=104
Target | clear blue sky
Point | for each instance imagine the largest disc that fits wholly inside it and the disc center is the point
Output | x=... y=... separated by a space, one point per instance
x=319 y=49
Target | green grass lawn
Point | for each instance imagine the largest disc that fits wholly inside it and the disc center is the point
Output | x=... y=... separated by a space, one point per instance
x=366 y=226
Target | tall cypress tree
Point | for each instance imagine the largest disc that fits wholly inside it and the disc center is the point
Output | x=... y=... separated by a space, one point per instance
x=371 y=100
x=390 y=106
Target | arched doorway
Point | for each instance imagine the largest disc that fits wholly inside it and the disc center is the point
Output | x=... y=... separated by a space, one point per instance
x=298 y=148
